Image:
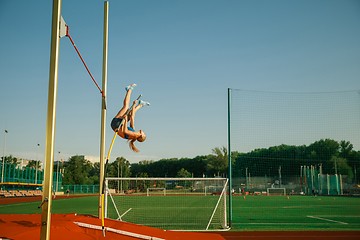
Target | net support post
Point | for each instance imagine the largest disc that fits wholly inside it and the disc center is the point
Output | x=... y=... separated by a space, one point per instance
x=229 y=156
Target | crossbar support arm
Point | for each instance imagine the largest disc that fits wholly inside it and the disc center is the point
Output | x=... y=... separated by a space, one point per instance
x=68 y=35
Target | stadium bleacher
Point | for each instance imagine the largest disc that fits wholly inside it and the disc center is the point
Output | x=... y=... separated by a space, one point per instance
x=20 y=193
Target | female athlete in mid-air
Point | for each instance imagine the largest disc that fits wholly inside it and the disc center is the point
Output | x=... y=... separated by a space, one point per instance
x=125 y=131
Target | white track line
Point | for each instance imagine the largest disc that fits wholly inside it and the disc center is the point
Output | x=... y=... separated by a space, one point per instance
x=125 y=233
x=327 y=219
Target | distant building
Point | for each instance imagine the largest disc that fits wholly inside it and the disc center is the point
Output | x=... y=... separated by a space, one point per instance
x=59 y=162
x=24 y=163
x=92 y=159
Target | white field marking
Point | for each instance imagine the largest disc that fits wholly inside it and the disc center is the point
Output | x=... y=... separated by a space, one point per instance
x=142 y=208
x=339 y=216
x=300 y=206
x=171 y=224
x=315 y=206
x=280 y=223
x=19 y=204
x=125 y=212
x=327 y=219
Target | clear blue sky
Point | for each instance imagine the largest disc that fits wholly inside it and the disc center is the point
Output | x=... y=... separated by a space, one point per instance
x=183 y=55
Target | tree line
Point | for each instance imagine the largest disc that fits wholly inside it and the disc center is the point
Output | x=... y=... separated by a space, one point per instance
x=331 y=156
x=15 y=161
x=81 y=171
x=327 y=155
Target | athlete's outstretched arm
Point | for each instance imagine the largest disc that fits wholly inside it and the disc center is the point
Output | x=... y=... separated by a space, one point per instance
x=123 y=127
x=132 y=115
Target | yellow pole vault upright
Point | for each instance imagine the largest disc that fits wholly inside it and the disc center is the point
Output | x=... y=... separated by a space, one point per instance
x=103 y=110
x=50 y=122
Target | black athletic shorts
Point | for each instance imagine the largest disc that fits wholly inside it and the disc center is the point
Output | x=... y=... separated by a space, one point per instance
x=115 y=123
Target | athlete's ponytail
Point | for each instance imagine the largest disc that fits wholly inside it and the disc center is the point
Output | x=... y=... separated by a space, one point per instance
x=132 y=146
x=131 y=142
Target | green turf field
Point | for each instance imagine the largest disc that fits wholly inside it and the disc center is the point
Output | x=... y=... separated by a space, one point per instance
x=255 y=213
x=269 y=213
x=82 y=205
